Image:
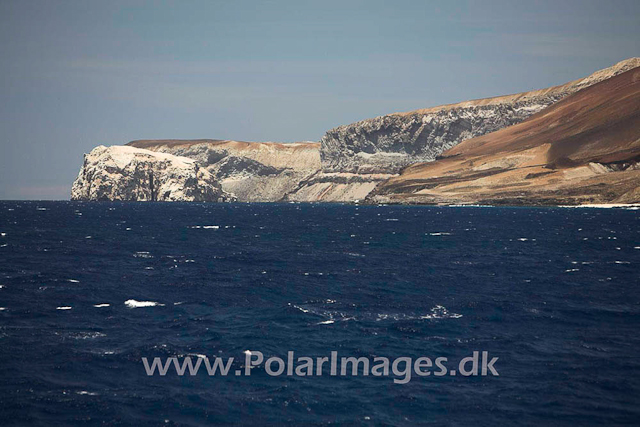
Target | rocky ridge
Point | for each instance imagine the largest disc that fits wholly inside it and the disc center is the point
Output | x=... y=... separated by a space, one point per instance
x=584 y=149
x=350 y=161
x=388 y=143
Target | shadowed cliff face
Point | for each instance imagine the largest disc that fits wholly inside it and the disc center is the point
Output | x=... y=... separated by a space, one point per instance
x=584 y=149
x=388 y=143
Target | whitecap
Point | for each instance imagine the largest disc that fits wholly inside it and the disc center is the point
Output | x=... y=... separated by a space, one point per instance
x=198 y=355
x=622 y=262
x=3 y=308
x=131 y=303
x=304 y=310
x=3 y=234
x=211 y=227
x=66 y=307
x=101 y=305
x=326 y=322
x=73 y=280
x=142 y=254
x=86 y=393
x=439 y=233
x=571 y=270
x=440 y=312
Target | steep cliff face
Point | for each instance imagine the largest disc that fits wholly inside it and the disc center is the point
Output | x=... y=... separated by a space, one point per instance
x=388 y=143
x=349 y=162
x=251 y=171
x=133 y=174
x=584 y=149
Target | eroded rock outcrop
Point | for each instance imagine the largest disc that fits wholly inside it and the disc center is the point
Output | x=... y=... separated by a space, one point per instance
x=133 y=174
x=251 y=171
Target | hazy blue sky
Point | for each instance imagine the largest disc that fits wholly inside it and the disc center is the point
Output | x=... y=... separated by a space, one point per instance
x=75 y=74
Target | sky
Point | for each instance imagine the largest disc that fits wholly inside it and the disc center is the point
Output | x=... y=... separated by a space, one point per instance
x=77 y=74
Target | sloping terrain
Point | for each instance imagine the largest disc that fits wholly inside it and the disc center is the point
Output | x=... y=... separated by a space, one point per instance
x=355 y=156
x=583 y=149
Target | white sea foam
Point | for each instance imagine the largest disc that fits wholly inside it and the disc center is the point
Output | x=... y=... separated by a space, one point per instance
x=3 y=308
x=131 y=303
x=439 y=233
x=326 y=322
x=86 y=393
x=622 y=262
x=3 y=234
x=101 y=305
x=142 y=254
x=632 y=206
x=66 y=307
x=73 y=280
x=440 y=312
x=211 y=227
x=304 y=310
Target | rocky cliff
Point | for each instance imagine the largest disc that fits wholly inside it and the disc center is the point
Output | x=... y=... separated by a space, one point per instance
x=584 y=149
x=388 y=143
x=357 y=157
x=350 y=161
x=251 y=171
x=133 y=174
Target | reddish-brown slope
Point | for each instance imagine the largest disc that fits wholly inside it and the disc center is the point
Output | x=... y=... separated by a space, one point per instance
x=583 y=149
x=597 y=124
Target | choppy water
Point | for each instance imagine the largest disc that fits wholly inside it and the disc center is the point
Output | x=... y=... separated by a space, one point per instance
x=553 y=292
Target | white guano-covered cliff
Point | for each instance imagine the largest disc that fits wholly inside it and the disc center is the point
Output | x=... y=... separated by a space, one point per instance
x=134 y=174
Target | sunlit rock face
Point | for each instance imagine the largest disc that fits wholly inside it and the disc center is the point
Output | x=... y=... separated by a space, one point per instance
x=251 y=171
x=388 y=143
x=133 y=174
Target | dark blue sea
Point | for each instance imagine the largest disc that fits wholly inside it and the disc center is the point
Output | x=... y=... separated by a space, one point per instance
x=89 y=289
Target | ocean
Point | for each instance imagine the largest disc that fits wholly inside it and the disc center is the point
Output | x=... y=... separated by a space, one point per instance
x=90 y=289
